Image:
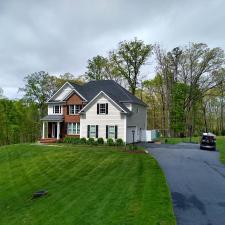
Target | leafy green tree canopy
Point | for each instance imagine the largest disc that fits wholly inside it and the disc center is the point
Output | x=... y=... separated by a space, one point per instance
x=39 y=87
x=97 y=68
x=129 y=58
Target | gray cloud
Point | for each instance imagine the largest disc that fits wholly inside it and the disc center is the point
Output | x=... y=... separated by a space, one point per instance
x=60 y=36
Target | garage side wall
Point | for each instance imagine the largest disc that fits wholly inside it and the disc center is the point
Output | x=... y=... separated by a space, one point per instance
x=137 y=121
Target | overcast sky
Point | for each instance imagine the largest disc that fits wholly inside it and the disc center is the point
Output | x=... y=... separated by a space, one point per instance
x=59 y=36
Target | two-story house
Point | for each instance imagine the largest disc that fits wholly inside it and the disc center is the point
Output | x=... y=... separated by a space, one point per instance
x=100 y=108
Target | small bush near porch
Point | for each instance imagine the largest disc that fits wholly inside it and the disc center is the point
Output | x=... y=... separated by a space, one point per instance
x=87 y=185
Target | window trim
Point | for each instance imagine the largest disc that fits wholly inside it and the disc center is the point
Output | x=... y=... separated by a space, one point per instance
x=115 y=136
x=89 y=131
x=74 y=125
x=75 y=109
x=102 y=104
x=60 y=109
x=102 y=108
x=114 y=130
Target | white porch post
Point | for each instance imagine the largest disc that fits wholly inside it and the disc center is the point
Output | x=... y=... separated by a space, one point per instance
x=43 y=130
x=58 y=130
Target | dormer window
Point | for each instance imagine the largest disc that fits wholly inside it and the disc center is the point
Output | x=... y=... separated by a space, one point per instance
x=102 y=108
x=57 y=109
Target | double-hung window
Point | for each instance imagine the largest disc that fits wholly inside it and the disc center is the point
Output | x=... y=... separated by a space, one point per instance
x=73 y=128
x=92 y=131
x=111 y=131
x=74 y=109
x=102 y=108
x=56 y=109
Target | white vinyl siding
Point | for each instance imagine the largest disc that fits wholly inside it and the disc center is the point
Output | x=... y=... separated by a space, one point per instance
x=137 y=120
x=63 y=93
x=113 y=117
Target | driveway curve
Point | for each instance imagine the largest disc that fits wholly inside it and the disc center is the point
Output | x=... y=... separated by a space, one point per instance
x=197 y=182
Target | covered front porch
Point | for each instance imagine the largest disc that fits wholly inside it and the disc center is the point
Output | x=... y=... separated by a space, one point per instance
x=52 y=128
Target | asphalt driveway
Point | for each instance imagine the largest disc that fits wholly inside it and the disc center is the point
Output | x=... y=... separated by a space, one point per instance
x=197 y=182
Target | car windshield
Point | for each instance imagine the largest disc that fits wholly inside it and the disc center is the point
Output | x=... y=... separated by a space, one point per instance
x=210 y=138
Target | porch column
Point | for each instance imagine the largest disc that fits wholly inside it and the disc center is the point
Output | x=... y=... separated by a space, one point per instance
x=58 y=130
x=43 y=130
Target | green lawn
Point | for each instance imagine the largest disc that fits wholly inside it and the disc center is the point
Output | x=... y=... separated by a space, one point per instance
x=220 y=143
x=178 y=140
x=86 y=185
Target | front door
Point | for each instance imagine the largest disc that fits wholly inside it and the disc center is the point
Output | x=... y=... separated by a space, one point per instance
x=54 y=130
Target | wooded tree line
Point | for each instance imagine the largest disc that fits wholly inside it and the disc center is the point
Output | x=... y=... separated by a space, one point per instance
x=19 y=122
x=185 y=96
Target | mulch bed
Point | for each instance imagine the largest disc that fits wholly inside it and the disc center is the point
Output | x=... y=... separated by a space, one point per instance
x=135 y=151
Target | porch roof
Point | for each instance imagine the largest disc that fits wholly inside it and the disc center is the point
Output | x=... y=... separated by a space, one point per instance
x=53 y=118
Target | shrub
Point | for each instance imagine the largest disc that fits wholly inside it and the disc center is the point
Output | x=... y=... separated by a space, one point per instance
x=75 y=140
x=91 y=141
x=132 y=147
x=72 y=140
x=110 y=142
x=119 y=142
x=83 y=140
x=100 y=141
x=67 y=140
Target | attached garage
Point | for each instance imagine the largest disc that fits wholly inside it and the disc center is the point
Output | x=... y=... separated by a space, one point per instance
x=130 y=130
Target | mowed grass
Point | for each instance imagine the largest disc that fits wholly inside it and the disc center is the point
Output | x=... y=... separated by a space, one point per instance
x=179 y=140
x=86 y=186
x=220 y=144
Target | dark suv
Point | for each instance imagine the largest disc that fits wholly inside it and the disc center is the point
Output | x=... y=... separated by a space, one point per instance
x=208 y=141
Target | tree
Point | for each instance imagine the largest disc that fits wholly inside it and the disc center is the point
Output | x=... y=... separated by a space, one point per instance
x=179 y=94
x=62 y=79
x=194 y=66
x=19 y=122
x=97 y=68
x=198 y=66
x=220 y=89
x=168 y=67
x=156 y=89
x=39 y=87
x=101 y=68
x=129 y=58
x=1 y=93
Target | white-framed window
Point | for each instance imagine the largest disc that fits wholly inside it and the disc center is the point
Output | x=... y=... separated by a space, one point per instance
x=111 y=131
x=102 y=108
x=74 y=109
x=73 y=128
x=56 y=109
x=92 y=131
